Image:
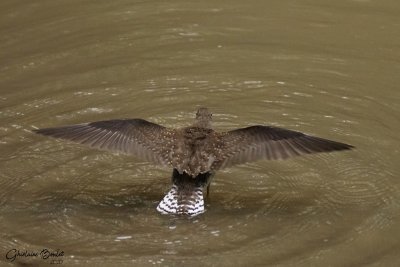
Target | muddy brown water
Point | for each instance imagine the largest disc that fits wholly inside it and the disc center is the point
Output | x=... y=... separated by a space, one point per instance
x=329 y=68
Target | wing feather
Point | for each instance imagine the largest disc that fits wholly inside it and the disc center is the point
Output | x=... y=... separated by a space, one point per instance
x=138 y=137
x=267 y=142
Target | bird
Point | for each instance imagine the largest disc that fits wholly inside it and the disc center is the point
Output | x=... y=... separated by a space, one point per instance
x=194 y=152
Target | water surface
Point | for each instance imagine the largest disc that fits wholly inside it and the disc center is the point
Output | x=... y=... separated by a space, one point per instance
x=325 y=68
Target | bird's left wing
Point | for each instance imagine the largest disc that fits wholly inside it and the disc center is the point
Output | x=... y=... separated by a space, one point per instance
x=137 y=137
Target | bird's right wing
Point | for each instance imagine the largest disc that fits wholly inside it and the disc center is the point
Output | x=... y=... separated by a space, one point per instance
x=267 y=142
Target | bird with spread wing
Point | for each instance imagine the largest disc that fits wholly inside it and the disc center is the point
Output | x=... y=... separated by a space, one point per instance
x=195 y=153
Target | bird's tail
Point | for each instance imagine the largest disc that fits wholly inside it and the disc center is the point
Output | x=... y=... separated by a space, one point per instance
x=186 y=200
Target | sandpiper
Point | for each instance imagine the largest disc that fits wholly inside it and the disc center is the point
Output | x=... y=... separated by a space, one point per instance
x=195 y=153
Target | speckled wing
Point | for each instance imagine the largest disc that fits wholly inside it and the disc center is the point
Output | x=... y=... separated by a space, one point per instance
x=267 y=142
x=138 y=137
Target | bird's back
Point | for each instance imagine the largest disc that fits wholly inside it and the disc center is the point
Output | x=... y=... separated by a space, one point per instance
x=194 y=151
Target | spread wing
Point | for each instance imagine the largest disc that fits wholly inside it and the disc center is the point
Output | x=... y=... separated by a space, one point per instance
x=138 y=137
x=267 y=142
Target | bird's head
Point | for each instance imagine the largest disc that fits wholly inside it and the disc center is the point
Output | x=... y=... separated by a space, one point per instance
x=203 y=117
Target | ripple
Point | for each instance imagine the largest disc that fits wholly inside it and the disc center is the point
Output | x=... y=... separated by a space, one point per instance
x=96 y=61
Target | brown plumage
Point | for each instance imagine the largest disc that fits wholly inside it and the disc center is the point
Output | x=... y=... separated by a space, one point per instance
x=195 y=150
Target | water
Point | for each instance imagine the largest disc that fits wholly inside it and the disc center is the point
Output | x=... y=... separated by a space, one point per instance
x=324 y=68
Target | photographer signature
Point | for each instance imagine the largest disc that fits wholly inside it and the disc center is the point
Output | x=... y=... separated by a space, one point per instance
x=45 y=254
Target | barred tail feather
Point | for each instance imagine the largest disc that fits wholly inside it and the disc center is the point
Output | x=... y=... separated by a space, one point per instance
x=182 y=201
